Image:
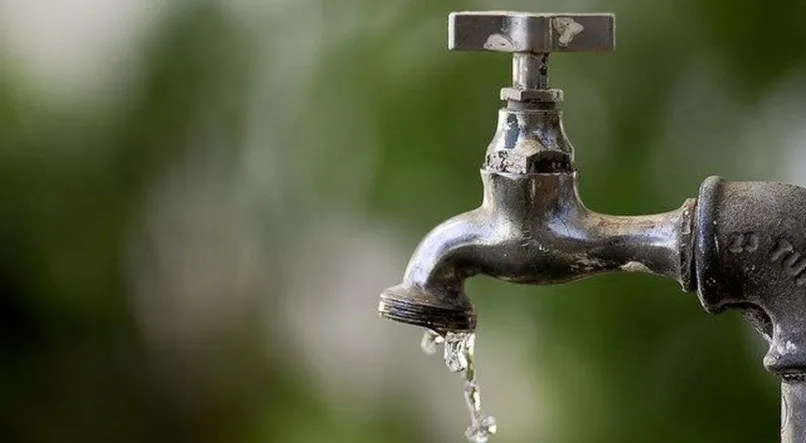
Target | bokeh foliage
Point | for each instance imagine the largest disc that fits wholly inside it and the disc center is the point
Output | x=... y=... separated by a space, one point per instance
x=387 y=124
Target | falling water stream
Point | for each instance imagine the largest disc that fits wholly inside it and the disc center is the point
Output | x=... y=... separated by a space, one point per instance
x=458 y=355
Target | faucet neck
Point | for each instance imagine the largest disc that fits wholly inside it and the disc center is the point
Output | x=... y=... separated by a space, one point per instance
x=531 y=198
x=530 y=140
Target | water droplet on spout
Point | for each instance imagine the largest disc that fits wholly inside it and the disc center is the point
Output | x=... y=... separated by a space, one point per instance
x=431 y=341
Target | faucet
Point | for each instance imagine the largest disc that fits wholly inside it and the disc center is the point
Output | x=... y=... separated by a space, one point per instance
x=738 y=245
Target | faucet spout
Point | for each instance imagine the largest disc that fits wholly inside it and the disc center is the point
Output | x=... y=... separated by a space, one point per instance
x=532 y=229
x=432 y=293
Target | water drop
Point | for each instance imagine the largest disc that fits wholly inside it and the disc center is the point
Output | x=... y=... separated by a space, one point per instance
x=482 y=431
x=459 y=358
x=431 y=341
x=459 y=351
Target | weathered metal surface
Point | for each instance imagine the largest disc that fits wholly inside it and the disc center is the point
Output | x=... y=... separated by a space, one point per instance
x=530 y=71
x=749 y=241
x=793 y=412
x=532 y=95
x=740 y=245
x=502 y=31
x=529 y=140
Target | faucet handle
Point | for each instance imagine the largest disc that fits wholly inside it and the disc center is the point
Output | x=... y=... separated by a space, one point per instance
x=531 y=38
x=501 y=31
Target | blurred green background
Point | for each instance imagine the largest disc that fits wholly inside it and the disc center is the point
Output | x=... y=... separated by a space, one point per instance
x=200 y=202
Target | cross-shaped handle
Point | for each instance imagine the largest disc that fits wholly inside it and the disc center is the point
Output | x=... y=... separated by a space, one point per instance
x=531 y=38
x=536 y=33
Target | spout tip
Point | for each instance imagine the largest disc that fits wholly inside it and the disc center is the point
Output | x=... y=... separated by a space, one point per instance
x=402 y=305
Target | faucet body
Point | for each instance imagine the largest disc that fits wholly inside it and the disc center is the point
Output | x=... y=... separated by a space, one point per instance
x=532 y=228
x=739 y=245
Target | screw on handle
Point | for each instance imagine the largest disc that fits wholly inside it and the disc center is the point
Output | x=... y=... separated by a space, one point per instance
x=530 y=37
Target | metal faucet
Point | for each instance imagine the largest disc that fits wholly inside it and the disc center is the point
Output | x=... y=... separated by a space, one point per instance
x=738 y=244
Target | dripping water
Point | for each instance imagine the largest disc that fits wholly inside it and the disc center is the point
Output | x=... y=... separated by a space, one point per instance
x=458 y=354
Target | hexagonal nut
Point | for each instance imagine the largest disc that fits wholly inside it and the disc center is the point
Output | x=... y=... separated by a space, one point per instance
x=537 y=33
x=505 y=161
x=532 y=95
x=542 y=161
